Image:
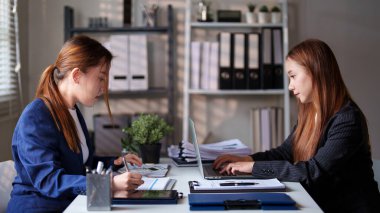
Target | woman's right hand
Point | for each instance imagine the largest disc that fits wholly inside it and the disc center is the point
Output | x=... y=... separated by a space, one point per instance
x=126 y=181
x=224 y=159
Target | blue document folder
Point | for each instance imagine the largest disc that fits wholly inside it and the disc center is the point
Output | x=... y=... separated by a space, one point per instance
x=226 y=201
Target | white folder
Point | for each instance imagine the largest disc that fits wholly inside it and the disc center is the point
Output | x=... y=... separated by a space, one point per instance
x=119 y=72
x=195 y=64
x=138 y=62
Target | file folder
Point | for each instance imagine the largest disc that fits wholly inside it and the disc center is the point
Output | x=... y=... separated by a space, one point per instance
x=138 y=62
x=278 y=73
x=264 y=201
x=119 y=79
x=239 y=74
x=196 y=48
x=254 y=60
x=225 y=60
x=267 y=70
x=205 y=65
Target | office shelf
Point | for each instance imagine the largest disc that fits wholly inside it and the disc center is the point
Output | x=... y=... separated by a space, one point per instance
x=152 y=93
x=193 y=31
x=230 y=25
x=237 y=92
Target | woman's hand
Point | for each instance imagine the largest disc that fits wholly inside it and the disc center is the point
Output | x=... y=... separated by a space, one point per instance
x=126 y=181
x=233 y=168
x=223 y=159
x=130 y=158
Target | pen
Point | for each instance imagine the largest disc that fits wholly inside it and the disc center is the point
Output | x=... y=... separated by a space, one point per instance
x=123 y=153
x=238 y=184
x=100 y=166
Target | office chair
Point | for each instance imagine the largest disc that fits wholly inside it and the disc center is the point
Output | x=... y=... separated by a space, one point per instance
x=7 y=174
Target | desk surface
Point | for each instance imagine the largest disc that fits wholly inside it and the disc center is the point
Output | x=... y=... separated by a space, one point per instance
x=185 y=174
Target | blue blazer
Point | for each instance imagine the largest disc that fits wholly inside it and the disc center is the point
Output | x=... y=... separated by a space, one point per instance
x=49 y=174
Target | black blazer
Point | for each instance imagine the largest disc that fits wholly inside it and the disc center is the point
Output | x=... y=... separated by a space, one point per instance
x=339 y=177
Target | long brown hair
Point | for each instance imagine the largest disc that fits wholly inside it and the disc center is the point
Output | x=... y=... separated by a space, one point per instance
x=79 y=52
x=329 y=95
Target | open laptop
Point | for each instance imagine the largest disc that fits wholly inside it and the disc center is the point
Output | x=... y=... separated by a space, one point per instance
x=207 y=171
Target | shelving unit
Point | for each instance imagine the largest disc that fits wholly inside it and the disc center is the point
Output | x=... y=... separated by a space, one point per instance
x=165 y=92
x=189 y=93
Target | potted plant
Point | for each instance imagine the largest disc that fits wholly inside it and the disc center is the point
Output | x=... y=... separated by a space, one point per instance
x=145 y=133
x=250 y=15
x=264 y=15
x=276 y=15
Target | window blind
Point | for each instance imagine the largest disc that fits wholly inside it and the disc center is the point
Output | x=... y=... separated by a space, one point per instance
x=10 y=96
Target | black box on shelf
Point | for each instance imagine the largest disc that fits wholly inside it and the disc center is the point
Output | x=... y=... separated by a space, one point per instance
x=229 y=16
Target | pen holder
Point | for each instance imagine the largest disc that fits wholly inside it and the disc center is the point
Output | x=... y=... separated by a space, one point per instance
x=98 y=192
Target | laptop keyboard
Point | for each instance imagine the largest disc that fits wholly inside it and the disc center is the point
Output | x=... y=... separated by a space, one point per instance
x=215 y=172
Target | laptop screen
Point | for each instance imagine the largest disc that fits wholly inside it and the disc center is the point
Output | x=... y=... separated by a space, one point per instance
x=196 y=147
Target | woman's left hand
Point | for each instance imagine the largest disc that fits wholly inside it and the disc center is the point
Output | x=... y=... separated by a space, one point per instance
x=233 y=168
x=130 y=158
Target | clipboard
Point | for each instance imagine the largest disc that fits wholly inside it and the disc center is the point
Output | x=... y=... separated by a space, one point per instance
x=194 y=188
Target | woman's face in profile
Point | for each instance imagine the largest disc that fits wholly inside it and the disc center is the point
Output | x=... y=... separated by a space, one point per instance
x=93 y=84
x=300 y=82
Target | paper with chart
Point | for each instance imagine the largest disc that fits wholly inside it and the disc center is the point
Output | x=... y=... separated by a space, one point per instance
x=157 y=184
x=148 y=170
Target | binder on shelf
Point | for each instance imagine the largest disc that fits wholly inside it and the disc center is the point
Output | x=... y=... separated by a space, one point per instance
x=278 y=69
x=265 y=125
x=239 y=80
x=253 y=60
x=225 y=60
x=138 y=62
x=205 y=65
x=196 y=48
x=214 y=66
x=280 y=125
x=230 y=201
x=119 y=73
x=267 y=69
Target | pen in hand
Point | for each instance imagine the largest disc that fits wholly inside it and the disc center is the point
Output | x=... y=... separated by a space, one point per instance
x=237 y=184
x=123 y=153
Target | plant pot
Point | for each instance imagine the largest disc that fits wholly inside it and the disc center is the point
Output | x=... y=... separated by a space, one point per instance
x=150 y=153
x=276 y=17
x=264 y=17
x=251 y=17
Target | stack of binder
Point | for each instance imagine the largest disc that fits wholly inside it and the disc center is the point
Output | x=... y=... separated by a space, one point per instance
x=239 y=61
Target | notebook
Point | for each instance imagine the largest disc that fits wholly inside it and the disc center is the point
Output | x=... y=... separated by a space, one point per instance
x=207 y=171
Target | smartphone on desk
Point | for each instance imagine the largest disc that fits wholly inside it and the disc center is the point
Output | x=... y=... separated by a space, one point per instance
x=145 y=197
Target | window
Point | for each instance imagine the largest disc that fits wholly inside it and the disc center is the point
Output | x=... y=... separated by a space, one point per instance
x=9 y=61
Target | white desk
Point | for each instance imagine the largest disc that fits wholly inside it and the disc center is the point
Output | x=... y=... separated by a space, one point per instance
x=183 y=175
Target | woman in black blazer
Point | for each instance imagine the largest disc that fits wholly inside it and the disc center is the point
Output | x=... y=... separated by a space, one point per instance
x=328 y=151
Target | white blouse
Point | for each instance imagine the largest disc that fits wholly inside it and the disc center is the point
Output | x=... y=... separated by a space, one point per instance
x=81 y=136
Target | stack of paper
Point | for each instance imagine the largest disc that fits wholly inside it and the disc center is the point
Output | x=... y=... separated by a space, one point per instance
x=210 y=151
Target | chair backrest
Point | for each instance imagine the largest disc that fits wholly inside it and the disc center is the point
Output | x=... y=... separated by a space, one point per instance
x=7 y=175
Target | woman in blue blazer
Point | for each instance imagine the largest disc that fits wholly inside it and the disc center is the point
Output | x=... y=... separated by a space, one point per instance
x=50 y=143
x=328 y=151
